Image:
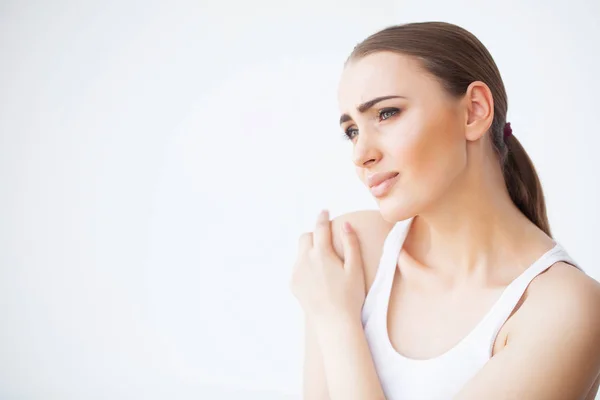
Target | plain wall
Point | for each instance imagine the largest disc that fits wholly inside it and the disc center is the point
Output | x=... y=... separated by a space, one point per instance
x=158 y=161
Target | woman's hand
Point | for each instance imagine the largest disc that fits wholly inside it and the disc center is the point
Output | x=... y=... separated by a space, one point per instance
x=326 y=286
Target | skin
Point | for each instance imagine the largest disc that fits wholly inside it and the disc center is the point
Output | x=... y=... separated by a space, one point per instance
x=451 y=181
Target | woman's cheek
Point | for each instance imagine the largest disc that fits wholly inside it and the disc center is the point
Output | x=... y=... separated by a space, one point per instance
x=418 y=162
x=410 y=151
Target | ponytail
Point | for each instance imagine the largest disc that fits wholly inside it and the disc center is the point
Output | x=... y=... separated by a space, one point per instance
x=524 y=185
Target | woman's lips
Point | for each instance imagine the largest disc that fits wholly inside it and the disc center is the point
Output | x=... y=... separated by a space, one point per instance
x=382 y=188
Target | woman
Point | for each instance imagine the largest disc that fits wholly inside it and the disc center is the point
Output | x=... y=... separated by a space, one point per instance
x=454 y=288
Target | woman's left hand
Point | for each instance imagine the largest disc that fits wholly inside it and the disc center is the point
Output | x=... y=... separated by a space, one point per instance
x=326 y=286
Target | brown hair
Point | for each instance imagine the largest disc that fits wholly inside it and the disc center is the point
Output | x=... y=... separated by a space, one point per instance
x=457 y=58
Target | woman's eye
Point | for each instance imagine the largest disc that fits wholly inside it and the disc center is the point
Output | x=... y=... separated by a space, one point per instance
x=387 y=113
x=350 y=133
x=384 y=114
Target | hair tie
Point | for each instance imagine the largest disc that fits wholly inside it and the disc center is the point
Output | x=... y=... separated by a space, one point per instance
x=507 y=130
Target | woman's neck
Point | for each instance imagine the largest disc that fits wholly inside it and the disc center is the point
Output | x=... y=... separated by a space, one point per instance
x=475 y=227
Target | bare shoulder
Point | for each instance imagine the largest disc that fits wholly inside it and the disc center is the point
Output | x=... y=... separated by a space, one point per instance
x=371 y=230
x=565 y=300
x=564 y=286
x=556 y=329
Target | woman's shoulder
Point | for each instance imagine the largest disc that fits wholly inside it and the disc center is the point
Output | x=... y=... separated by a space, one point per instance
x=371 y=230
x=564 y=285
x=563 y=297
x=560 y=315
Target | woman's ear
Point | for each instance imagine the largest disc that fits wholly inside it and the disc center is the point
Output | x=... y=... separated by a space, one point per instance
x=480 y=110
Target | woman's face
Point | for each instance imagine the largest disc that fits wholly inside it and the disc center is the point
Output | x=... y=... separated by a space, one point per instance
x=417 y=137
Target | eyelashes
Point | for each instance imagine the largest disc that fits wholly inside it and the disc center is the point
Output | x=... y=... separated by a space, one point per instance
x=382 y=115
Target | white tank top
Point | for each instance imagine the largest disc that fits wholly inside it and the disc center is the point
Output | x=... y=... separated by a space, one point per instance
x=443 y=376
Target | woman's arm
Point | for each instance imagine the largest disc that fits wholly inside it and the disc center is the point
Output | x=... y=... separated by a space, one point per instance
x=347 y=357
x=554 y=354
x=331 y=292
x=314 y=381
x=371 y=230
x=349 y=367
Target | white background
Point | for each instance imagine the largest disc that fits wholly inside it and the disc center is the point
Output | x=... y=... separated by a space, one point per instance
x=158 y=161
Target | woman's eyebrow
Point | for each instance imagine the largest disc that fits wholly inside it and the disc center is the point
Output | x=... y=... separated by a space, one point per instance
x=367 y=105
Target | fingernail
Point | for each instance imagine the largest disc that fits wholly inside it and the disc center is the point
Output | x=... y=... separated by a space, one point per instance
x=324 y=215
x=347 y=227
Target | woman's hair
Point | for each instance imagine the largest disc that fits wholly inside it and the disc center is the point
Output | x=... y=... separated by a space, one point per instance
x=457 y=58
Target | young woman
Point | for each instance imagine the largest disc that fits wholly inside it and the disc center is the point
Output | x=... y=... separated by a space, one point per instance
x=454 y=288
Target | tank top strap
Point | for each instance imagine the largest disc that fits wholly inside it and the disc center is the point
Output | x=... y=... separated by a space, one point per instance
x=382 y=284
x=513 y=293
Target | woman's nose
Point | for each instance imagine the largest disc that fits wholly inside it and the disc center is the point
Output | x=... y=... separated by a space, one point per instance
x=366 y=151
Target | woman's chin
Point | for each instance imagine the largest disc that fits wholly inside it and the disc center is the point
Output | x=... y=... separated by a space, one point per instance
x=394 y=209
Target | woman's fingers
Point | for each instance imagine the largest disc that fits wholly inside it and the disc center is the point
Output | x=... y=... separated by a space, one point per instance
x=352 y=256
x=305 y=245
x=322 y=236
x=305 y=242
